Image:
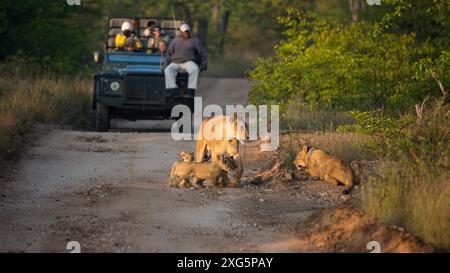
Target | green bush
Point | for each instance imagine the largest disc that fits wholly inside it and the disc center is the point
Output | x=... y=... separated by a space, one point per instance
x=429 y=20
x=418 y=138
x=344 y=67
x=381 y=129
x=412 y=186
x=391 y=79
x=46 y=36
x=426 y=138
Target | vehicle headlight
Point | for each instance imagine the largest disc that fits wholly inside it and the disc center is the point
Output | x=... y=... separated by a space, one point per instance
x=115 y=86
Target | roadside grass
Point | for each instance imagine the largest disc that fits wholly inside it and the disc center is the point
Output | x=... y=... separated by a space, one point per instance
x=414 y=197
x=27 y=100
x=410 y=185
x=298 y=117
x=412 y=189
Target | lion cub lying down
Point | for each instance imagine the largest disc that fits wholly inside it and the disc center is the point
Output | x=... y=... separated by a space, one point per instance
x=214 y=171
x=329 y=168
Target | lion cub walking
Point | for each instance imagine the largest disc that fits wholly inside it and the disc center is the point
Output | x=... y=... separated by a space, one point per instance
x=214 y=171
x=178 y=167
x=329 y=168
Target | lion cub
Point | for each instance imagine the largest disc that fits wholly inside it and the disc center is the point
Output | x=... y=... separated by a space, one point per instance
x=179 y=167
x=329 y=168
x=201 y=171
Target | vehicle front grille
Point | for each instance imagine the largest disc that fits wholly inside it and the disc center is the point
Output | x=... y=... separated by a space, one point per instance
x=148 y=90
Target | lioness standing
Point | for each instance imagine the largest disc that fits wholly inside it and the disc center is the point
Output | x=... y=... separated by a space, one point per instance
x=220 y=136
x=329 y=168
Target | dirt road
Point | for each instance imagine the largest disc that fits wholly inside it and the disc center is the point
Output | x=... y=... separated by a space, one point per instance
x=108 y=191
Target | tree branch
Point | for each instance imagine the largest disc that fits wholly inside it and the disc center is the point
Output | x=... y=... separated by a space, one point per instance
x=439 y=82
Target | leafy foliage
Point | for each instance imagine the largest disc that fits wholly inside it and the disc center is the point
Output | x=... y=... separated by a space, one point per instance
x=412 y=187
x=382 y=129
x=330 y=65
x=419 y=139
x=45 y=35
x=428 y=19
x=52 y=36
x=392 y=78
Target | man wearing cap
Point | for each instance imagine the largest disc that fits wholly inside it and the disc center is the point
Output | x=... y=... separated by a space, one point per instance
x=126 y=32
x=183 y=53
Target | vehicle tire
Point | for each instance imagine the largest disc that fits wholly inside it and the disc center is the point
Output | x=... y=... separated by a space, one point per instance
x=102 y=118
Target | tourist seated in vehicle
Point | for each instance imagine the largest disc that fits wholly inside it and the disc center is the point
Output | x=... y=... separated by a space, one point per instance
x=153 y=42
x=162 y=47
x=131 y=45
x=148 y=32
x=135 y=23
x=126 y=32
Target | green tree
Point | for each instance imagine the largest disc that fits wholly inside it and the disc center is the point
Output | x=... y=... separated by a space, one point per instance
x=327 y=64
x=47 y=34
x=429 y=20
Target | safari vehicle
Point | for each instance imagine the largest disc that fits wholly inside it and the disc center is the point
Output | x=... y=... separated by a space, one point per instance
x=131 y=85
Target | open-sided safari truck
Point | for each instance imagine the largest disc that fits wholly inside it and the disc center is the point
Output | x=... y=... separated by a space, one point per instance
x=131 y=85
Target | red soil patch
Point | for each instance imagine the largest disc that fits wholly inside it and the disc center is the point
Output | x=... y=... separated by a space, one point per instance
x=349 y=230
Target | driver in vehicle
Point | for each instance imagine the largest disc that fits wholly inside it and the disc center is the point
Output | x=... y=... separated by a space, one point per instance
x=126 y=32
x=184 y=53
